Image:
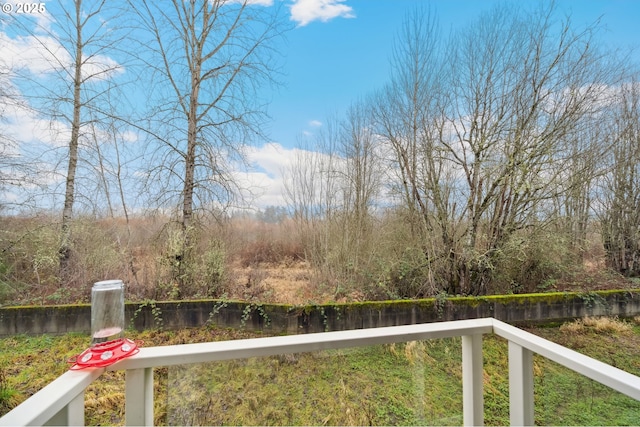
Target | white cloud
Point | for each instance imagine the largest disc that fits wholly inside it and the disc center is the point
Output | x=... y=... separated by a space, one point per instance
x=39 y=55
x=264 y=183
x=24 y=125
x=9 y=197
x=100 y=67
x=129 y=136
x=271 y=158
x=315 y=123
x=306 y=11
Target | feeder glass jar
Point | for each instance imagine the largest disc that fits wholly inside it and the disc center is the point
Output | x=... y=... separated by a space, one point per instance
x=107 y=311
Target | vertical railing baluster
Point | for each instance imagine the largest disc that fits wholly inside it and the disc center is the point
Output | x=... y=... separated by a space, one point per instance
x=75 y=411
x=472 y=378
x=139 y=397
x=70 y=415
x=521 y=409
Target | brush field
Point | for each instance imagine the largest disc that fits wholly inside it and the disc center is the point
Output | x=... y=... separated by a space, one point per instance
x=269 y=262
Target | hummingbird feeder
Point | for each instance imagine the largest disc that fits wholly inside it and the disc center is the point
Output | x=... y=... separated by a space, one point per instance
x=108 y=344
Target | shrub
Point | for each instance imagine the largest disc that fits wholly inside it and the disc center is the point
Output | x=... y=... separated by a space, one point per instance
x=214 y=269
x=528 y=260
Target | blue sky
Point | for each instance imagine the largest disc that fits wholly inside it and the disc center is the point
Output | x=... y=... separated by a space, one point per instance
x=331 y=61
x=337 y=52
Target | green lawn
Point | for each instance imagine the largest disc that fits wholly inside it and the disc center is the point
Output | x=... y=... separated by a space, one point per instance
x=401 y=384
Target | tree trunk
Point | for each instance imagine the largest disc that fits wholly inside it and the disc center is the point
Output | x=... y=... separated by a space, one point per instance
x=65 y=250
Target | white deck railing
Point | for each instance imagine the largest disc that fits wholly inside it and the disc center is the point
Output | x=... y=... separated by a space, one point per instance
x=62 y=401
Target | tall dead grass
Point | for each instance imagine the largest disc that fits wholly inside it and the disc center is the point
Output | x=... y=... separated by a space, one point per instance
x=611 y=325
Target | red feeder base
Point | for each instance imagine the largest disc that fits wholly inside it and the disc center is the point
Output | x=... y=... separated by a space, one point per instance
x=104 y=354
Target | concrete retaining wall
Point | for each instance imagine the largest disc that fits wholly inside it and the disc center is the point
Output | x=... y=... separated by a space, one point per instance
x=549 y=307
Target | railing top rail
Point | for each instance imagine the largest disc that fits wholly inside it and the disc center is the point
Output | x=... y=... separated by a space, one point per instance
x=47 y=402
x=608 y=375
x=254 y=347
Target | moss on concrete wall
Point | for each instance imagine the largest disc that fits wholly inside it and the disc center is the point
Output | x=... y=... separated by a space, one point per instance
x=282 y=318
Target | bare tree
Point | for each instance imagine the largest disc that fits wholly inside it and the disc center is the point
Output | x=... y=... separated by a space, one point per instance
x=620 y=195
x=73 y=42
x=360 y=173
x=14 y=172
x=110 y=158
x=313 y=192
x=410 y=120
x=526 y=88
x=332 y=188
x=364 y=169
x=588 y=149
x=211 y=60
x=479 y=152
x=408 y=107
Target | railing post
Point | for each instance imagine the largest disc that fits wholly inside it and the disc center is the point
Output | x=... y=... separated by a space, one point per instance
x=71 y=415
x=472 y=378
x=139 y=397
x=521 y=409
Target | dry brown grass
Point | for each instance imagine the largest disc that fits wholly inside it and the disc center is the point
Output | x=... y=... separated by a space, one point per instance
x=286 y=282
x=611 y=325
